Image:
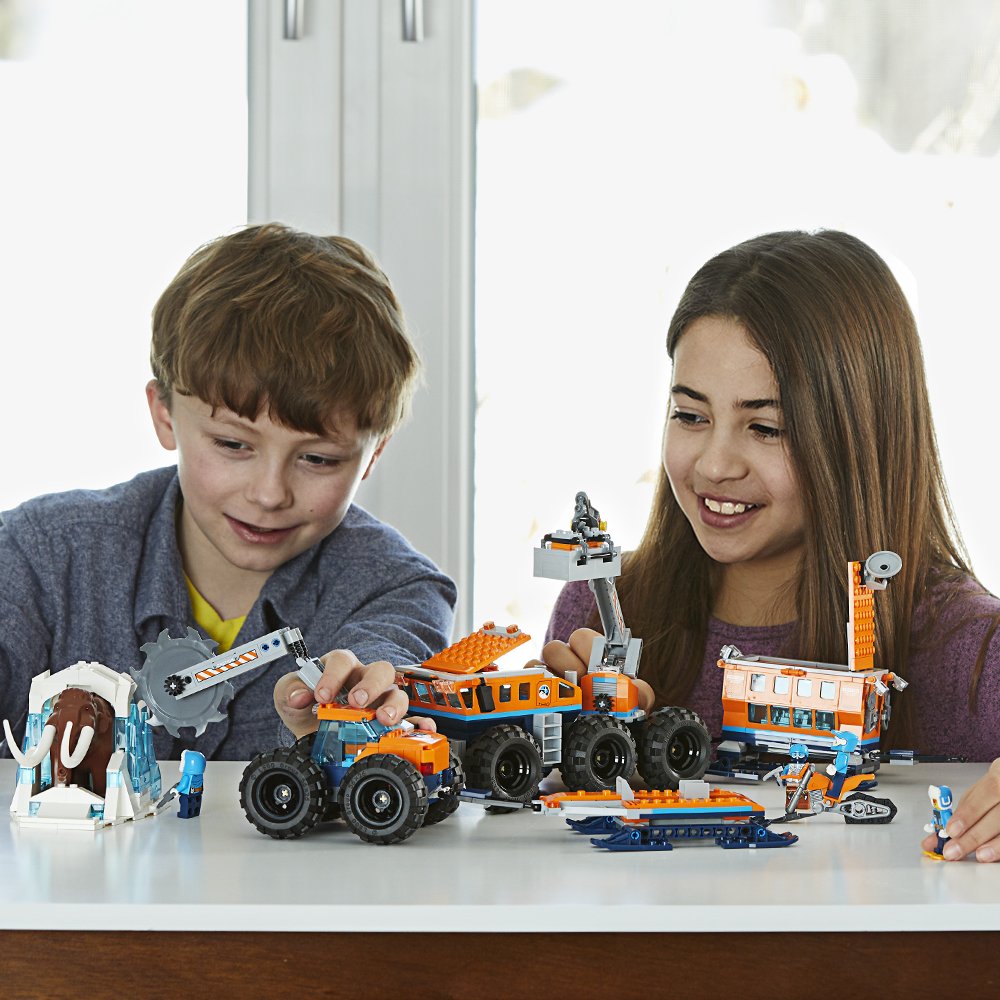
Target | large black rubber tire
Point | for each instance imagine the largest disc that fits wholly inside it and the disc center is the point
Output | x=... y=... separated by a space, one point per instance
x=383 y=799
x=284 y=793
x=506 y=762
x=597 y=750
x=447 y=802
x=674 y=746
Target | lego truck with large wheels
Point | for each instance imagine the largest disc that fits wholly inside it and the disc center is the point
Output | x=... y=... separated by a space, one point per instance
x=385 y=783
x=511 y=726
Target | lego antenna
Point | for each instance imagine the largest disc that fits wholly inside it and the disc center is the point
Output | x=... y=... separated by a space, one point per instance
x=881 y=566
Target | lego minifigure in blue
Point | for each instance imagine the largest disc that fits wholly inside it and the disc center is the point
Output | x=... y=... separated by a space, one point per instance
x=799 y=753
x=794 y=770
x=192 y=784
x=941 y=800
x=189 y=788
x=846 y=744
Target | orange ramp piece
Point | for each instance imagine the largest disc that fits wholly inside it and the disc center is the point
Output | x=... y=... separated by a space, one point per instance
x=478 y=650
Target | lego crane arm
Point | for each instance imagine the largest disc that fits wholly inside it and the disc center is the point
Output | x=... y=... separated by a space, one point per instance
x=249 y=656
x=617 y=648
x=183 y=684
x=586 y=552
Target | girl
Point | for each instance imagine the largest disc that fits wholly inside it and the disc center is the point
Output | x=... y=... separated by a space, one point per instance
x=798 y=437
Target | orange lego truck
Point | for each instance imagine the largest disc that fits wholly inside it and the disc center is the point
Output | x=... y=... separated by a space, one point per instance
x=511 y=725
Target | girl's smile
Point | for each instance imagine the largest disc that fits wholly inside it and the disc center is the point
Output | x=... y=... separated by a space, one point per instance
x=726 y=514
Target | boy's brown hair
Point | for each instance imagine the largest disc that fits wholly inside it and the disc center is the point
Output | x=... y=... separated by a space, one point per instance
x=305 y=327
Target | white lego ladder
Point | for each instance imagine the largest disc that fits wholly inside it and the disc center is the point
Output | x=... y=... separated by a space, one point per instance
x=548 y=731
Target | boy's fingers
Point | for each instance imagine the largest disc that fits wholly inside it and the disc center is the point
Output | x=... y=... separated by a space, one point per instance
x=370 y=683
x=372 y=686
x=392 y=706
x=291 y=694
x=293 y=702
x=300 y=698
x=282 y=688
x=423 y=722
x=338 y=666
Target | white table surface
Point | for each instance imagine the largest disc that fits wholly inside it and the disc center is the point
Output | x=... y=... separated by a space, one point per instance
x=490 y=872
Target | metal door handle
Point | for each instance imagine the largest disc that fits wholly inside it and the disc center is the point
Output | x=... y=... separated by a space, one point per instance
x=413 y=20
x=294 y=19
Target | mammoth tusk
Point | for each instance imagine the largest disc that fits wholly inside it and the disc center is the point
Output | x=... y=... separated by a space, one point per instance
x=36 y=754
x=71 y=760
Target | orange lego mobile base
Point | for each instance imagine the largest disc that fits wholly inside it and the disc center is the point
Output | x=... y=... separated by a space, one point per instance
x=770 y=703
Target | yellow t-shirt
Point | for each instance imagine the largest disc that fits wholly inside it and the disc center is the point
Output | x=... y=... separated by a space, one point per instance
x=223 y=632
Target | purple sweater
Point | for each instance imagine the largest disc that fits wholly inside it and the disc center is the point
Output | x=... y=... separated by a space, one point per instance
x=944 y=723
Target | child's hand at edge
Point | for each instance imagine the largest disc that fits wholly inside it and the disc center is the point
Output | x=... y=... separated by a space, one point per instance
x=370 y=686
x=561 y=657
x=975 y=822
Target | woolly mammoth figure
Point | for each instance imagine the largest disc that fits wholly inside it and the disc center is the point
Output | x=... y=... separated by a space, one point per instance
x=81 y=762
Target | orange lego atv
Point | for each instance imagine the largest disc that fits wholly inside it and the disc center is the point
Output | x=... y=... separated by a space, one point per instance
x=384 y=782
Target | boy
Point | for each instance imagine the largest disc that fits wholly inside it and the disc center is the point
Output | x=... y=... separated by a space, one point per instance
x=281 y=369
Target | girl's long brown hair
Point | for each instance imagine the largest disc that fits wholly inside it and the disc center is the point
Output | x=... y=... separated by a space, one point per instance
x=827 y=313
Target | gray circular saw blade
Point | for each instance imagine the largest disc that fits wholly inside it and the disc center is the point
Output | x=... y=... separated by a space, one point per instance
x=165 y=657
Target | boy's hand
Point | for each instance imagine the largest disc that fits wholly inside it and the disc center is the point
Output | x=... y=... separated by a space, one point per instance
x=975 y=822
x=561 y=657
x=368 y=686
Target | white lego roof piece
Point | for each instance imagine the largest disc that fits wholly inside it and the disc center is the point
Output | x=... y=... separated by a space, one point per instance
x=111 y=685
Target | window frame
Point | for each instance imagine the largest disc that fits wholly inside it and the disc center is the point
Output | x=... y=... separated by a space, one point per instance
x=357 y=132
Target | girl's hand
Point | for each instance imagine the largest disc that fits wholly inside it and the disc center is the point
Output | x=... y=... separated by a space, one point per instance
x=975 y=822
x=370 y=686
x=561 y=657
